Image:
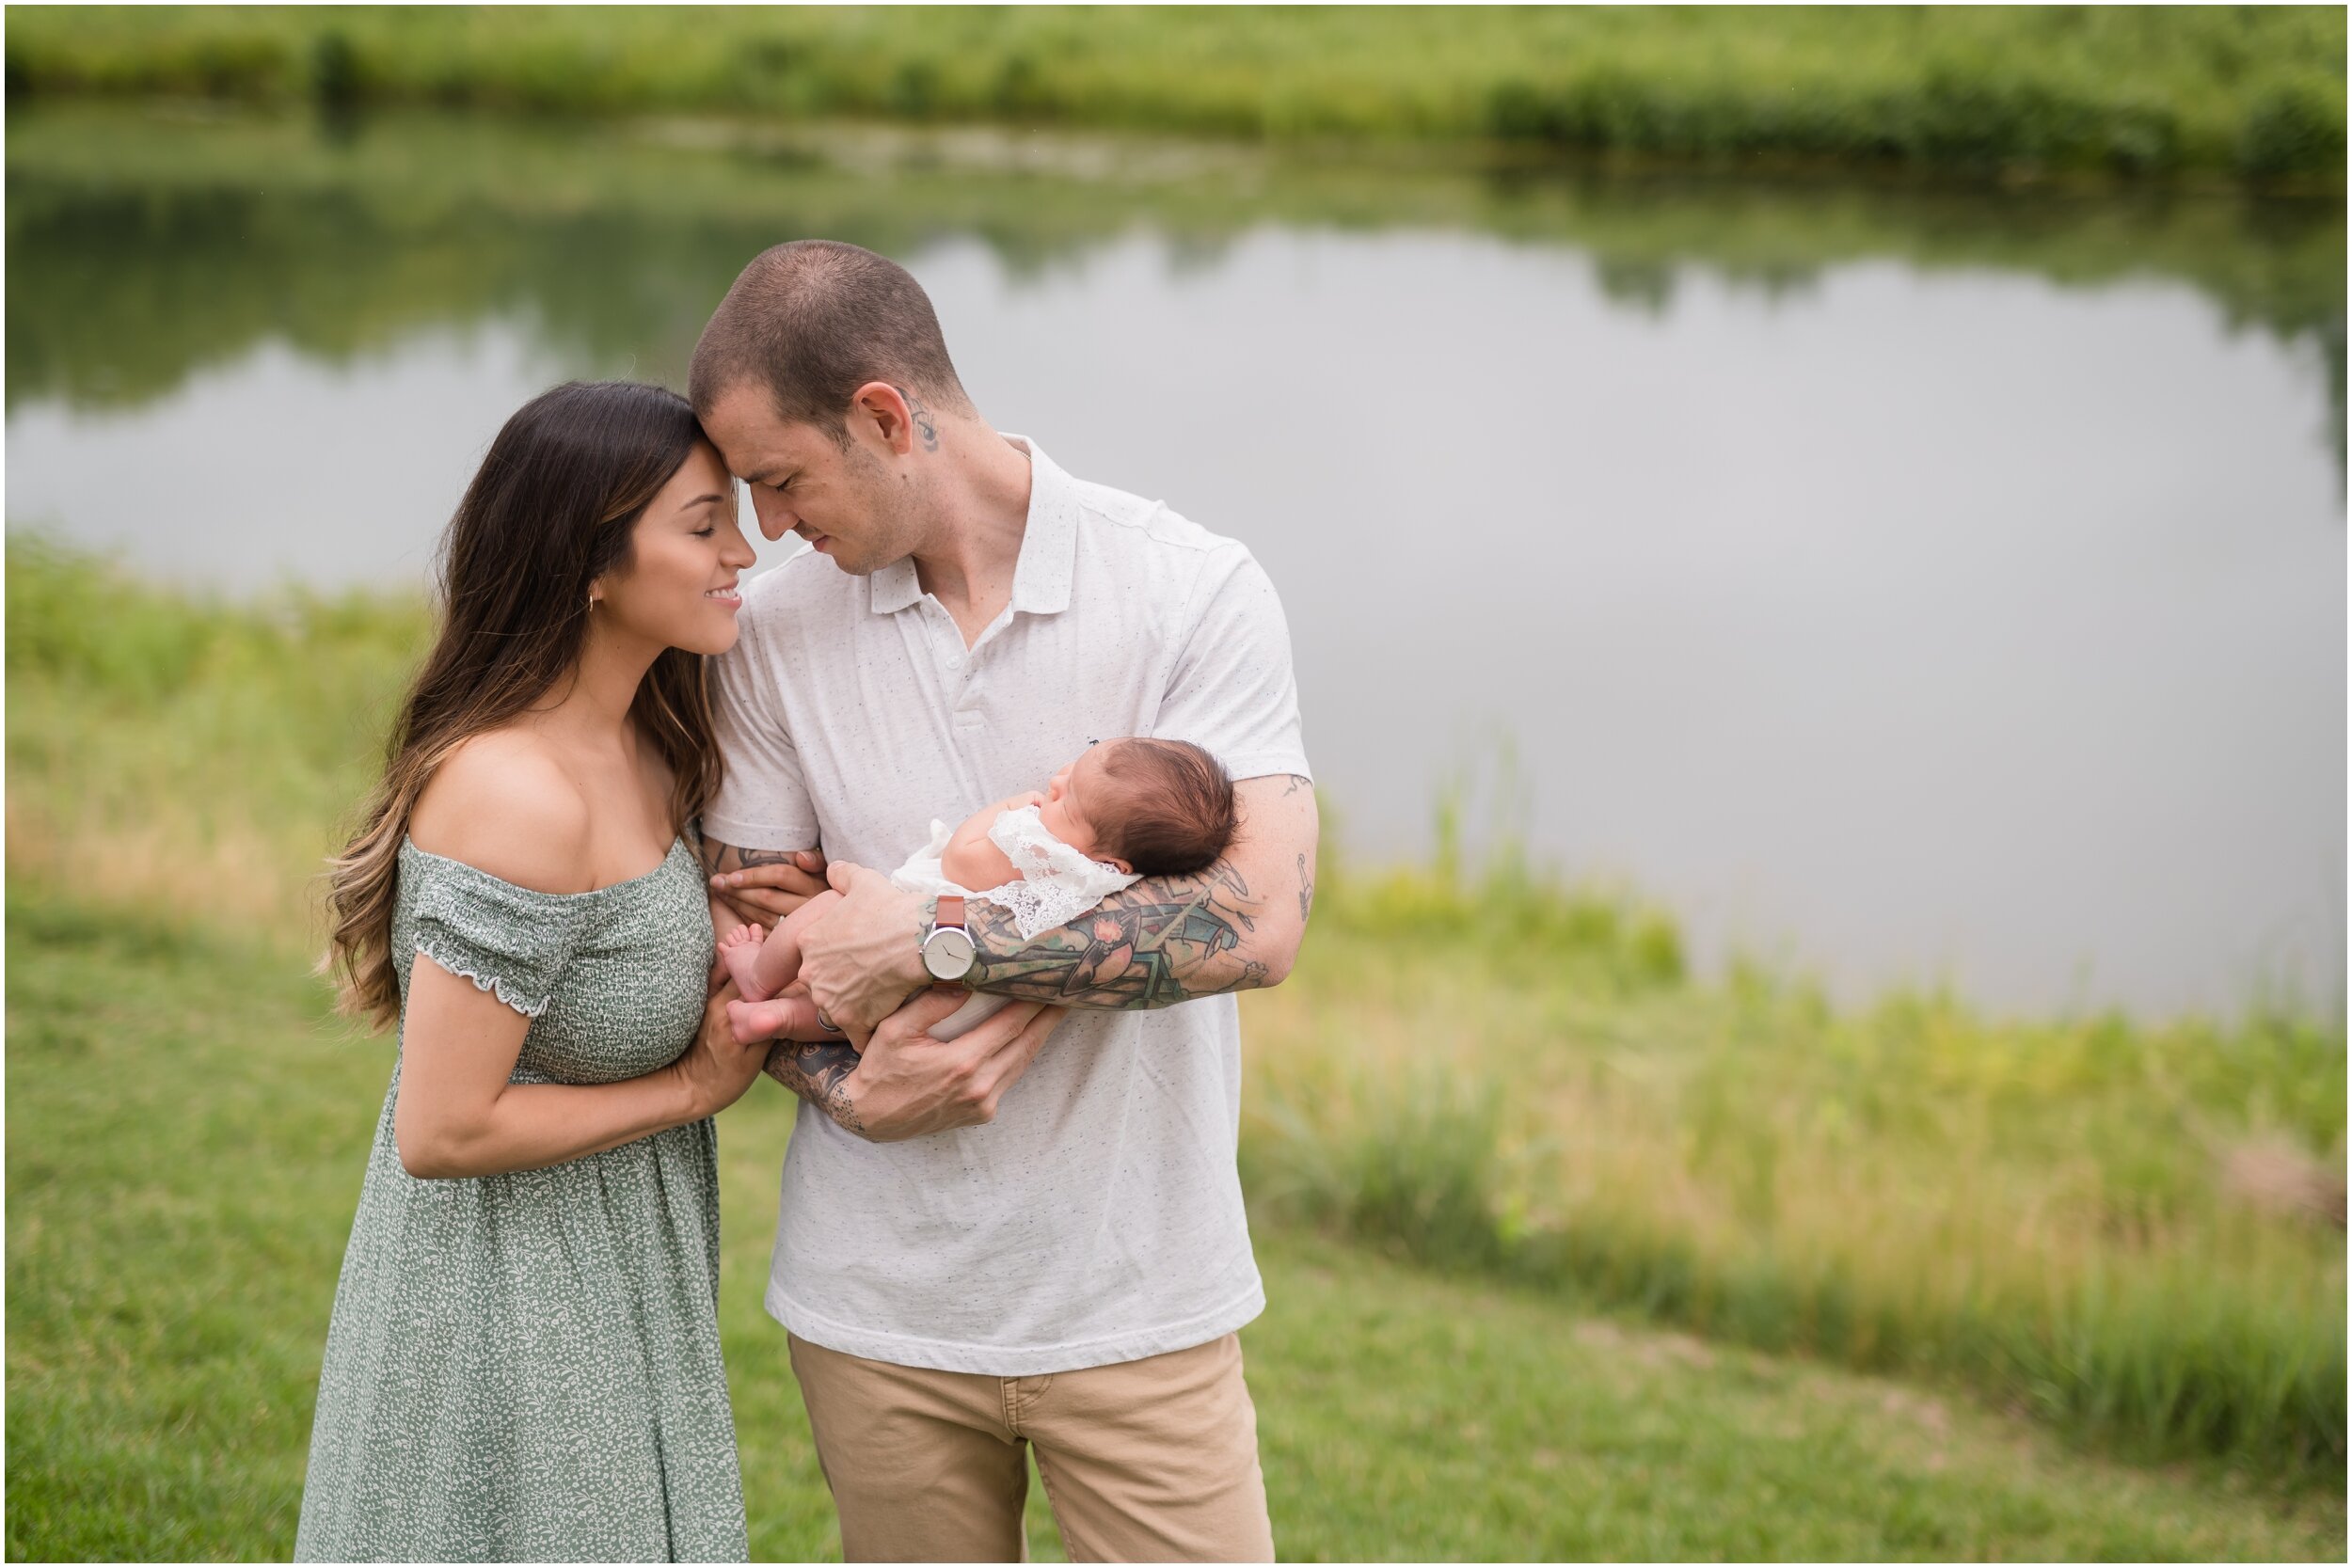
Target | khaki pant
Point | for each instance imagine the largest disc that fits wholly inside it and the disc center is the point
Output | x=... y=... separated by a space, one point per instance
x=1151 y=1461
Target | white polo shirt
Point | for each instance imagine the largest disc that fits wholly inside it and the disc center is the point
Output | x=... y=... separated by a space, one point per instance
x=1099 y=1218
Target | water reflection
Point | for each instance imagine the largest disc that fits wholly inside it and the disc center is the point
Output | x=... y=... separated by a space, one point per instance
x=1913 y=594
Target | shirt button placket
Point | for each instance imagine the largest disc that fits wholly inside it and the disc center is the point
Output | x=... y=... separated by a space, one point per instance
x=968 y=692
x=947 y=635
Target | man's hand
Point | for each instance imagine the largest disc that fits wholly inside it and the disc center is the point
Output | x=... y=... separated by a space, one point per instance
x=763 y=886
x=908 y=1085
x=866 y=958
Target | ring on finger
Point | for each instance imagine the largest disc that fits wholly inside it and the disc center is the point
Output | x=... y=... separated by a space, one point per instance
x=828 y=1025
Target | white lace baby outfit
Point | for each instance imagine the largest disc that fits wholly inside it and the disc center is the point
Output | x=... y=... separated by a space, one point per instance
x=1057 y=885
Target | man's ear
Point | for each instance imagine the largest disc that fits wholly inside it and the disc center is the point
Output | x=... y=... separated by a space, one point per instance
x=883 y=409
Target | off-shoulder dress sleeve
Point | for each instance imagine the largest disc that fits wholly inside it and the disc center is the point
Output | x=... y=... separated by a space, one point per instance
x=507 y=939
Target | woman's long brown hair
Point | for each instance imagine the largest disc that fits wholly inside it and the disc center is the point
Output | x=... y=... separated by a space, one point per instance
x=550 y=510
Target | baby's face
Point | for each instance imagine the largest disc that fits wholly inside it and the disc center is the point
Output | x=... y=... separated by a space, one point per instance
x=1063 y=806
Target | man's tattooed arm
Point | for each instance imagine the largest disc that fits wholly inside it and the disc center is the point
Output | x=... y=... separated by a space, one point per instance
x=815 y=1072
x=718 y=857
x=1234 y=926
x=765 y=904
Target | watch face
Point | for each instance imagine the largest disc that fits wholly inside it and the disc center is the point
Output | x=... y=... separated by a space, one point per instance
x=948 y=955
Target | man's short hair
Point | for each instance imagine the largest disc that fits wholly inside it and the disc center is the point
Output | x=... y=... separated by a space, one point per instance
x=812 y=321
x=1173 y=805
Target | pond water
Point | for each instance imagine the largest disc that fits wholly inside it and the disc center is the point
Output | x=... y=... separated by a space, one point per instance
x=1899 y=587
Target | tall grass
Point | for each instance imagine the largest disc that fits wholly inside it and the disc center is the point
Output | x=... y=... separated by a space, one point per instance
x=2137 y=93
x=186 y=755
x=2132 y=1230
x=2135 y=1230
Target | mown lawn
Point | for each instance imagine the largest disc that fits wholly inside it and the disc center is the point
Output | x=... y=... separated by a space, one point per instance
x=186 y=1126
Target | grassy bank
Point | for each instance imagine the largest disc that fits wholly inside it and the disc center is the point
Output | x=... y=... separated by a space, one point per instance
x=2198 y=93
x=185 y=1138
x=2132 y=1230
x=2135 y=1231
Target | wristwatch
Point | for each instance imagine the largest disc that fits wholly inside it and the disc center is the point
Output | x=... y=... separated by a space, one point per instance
x=947 y=951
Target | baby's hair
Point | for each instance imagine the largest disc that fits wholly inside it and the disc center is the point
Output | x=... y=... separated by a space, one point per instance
x=1172 y=811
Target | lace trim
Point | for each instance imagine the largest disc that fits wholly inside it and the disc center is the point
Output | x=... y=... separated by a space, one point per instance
x=490 y=983
x=1058 y=884
x=1055 y=886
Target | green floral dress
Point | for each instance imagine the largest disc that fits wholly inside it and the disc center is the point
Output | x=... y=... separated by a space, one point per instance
x=527 y=1366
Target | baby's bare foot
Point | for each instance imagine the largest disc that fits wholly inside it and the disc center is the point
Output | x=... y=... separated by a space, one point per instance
x=784 y=1018
x=739 y=951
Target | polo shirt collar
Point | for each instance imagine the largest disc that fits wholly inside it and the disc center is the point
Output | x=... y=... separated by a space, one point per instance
x=1049 y=541
x=1049 y=547
x=894 y=587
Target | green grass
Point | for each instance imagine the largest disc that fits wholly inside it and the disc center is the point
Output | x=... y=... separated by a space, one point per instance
x=2251 y=94
x=2131 y=1231
x=187 y=1132
x=183 y=754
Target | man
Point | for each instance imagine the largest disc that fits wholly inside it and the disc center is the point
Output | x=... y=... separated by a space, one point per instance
x=967 y=1263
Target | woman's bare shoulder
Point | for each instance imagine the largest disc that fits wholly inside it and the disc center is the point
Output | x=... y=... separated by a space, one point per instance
x=502 y=804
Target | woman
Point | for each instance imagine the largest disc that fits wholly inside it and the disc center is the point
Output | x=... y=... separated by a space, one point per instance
x=524 y=1358
x=525 y=1364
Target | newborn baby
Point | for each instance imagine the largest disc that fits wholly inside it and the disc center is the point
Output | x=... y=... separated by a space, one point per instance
x=1123 y=810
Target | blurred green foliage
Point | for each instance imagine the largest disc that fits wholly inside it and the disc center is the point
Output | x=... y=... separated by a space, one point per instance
x=2252 y=93
x=2133 y=1229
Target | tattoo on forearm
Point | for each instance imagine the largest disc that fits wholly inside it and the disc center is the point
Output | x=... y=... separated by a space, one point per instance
x=925 y=425
x=760 y=857
x=816 y=1072
x=1306 y=886
x=1163 y=940
x=718 y=857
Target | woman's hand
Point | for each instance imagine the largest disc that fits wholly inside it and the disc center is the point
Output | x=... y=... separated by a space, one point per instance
x=907 y=1083
x=716 y=1071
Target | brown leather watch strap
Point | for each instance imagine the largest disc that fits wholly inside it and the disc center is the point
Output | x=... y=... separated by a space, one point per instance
x=950 y=912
